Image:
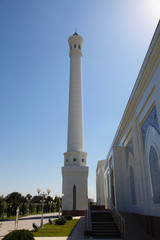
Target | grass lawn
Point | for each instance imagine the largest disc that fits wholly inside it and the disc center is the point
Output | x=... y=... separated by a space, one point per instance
x=54 y=230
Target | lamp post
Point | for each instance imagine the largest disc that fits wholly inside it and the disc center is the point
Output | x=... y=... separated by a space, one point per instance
x=17 y=216
x=43 y=196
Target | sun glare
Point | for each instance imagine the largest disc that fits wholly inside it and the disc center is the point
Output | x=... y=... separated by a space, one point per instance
x=150 y=9
x=154 y=6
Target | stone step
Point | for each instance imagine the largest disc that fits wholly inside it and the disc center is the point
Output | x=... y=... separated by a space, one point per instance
x=105 y=230
x=101 y=214
x=98 y=217
x=105 y=235
x=117 y=235
x=105 y=214
x=107 y=223
x=102 y=220
x=102 y=217
x=104 y=227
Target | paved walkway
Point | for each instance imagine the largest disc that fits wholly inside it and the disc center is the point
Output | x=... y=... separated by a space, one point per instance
x=24 y=223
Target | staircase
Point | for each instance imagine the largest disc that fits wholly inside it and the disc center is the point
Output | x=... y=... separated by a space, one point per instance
x=104 y=226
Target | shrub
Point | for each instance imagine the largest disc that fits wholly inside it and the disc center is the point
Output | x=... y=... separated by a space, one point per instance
x=19 y=235
x=60 y=221
x=68 y=217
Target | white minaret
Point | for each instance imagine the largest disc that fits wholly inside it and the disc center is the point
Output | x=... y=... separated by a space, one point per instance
x=75 y=171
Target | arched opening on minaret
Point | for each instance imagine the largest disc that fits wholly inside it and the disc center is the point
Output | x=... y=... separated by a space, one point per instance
x=74 y=197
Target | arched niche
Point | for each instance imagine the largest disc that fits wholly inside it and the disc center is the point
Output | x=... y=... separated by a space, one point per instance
x=155 y=174
x=132 y=186
x=152 y=156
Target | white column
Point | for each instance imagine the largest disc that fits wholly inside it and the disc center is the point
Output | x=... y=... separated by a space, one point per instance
x=75 y=115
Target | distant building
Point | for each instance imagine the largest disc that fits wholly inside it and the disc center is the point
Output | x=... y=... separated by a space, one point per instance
x=130 y=175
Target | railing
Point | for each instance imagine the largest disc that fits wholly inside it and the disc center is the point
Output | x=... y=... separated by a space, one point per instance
x=88 y=223
x=119 y=220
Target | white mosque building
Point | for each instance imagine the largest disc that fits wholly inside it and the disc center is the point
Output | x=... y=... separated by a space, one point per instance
x=75 y=171
x=129 y=177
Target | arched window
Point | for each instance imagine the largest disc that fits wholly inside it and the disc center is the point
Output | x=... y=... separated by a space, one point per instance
x=132 y=186
x=74 y=197
x=155 y=174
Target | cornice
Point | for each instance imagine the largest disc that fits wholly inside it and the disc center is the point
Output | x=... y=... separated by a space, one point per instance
x=149 y=96
x=139 y=89
x=66 y=154
x=75 y=52
x=127 y=137
x=149 y=110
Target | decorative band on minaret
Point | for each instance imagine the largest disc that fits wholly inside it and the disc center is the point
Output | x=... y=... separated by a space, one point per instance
x=75 y=171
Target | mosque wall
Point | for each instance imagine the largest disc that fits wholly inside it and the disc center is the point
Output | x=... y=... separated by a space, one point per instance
x=131 y=169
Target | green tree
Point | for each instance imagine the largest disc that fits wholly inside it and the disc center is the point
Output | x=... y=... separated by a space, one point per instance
x=29 y=196
x=15 y=198
x=1 y=205
x=49 y=199
x=23 y=209
x=31 y=207
x=9 y=210
x=36 y=199
x=38 y=208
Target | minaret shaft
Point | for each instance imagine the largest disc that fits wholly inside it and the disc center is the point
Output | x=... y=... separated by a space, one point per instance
x=75 y=171
x=75 y=115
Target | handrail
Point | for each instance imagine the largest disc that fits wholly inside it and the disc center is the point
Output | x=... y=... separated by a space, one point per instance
x=88 y=223
x=119 y=220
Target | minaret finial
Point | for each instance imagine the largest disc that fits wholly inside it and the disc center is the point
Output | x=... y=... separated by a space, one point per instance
x=75 y=32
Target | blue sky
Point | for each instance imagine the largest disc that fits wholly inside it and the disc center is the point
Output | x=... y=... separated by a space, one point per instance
x=34 y=82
